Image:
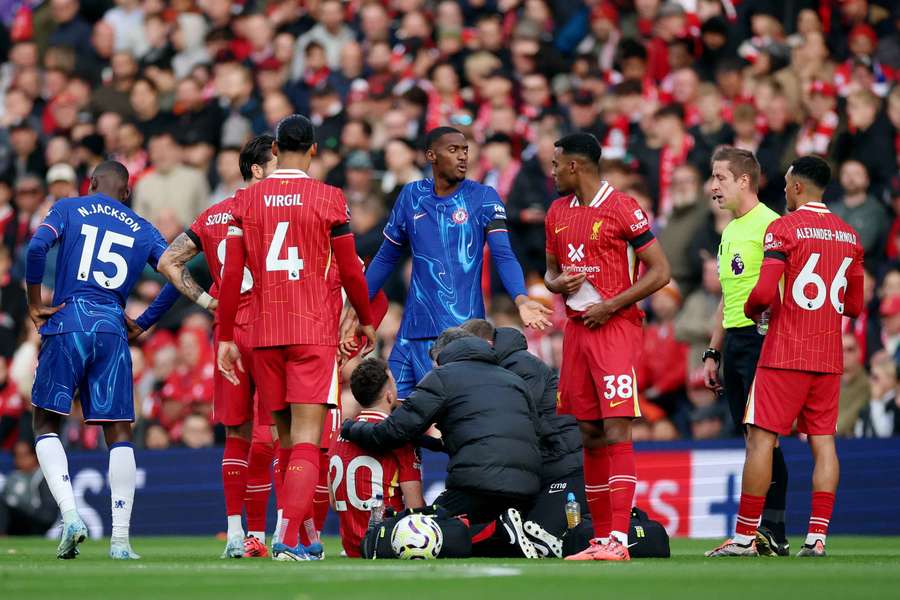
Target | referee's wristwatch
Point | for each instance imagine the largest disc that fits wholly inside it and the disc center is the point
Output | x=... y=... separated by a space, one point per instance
x=713 y=354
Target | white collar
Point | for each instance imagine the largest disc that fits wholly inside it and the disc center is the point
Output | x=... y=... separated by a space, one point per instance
x=816 y=207
x=289 y=174
x=599 y=198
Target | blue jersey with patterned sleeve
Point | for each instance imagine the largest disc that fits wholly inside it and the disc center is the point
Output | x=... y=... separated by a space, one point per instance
x=446 y=236
x=104 y=246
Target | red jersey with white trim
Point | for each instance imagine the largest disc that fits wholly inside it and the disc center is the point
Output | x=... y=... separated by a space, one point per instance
x=355 y=477
x=208 y=232
x=600 y=240
x=286 y=222
x=820 y=250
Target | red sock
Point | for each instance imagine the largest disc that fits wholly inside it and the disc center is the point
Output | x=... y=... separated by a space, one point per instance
x=596 y=487
x=299 y=487
x=283 y=460
x=622 y=482
x=259 y=484
x=320 y=501
x=822 y=506
x=234 y=474
x=749 y=512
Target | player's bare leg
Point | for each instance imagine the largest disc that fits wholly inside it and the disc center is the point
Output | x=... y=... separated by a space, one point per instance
x=235 y=460
x=122 y=481
x=825 y=481
x=300 y=474
x=756 y=479
x=55 y=466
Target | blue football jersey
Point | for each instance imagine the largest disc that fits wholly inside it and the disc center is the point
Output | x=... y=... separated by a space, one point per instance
x=103 y=247
x=446 y=236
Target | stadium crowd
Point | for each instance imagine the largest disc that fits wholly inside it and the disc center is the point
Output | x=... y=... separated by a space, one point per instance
x=173 y=89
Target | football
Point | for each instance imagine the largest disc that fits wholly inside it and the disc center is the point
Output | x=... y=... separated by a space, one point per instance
x=417 y=537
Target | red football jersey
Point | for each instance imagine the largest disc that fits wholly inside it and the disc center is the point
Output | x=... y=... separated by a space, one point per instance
x=208 y=232
x=600 y=240
x=286 y=222
x=356 y=477
x=820 y=251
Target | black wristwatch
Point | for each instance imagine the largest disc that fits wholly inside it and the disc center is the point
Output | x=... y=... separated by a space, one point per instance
x=713 y=354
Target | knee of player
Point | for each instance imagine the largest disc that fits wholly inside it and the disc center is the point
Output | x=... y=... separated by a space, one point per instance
x=760 y=440
x=592 y=435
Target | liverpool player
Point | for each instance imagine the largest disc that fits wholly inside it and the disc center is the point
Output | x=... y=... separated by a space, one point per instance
x=290 y=229
x=248 y=453
x=445 y=222
x=812 y=277
x=595 y=236
x=355 y=477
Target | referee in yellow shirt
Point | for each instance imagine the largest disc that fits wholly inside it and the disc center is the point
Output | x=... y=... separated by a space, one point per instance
x=736 y=341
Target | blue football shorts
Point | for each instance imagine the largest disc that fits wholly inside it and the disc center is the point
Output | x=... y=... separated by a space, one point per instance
x=97 y=365
x=409 y=363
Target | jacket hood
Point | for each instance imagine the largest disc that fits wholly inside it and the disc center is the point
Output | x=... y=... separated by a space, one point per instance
x=508 y=340
x=469 y=348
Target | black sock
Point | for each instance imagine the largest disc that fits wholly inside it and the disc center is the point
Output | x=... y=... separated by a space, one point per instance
x=776 y=498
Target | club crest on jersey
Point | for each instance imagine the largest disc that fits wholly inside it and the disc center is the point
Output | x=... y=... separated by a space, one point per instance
x=460 y=216
x=595 y=229
x=737 y=264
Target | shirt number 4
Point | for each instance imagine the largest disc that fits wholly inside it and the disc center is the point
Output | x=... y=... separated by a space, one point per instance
x=293 y=264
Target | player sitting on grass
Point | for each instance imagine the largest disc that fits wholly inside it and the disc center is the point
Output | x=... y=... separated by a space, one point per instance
x=355 y=476
x=812 y=277
x=104 y=247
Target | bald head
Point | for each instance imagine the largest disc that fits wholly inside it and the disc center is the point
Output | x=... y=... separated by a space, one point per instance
x=111 y=179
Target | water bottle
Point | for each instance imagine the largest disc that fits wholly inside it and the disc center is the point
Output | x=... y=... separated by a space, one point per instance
x=762 y=326
x=573 y=511
x=377 y=508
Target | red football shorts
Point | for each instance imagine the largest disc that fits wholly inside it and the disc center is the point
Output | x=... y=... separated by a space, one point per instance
x=298 y=374
x=597 y=379
x=780 y=396
x=235 y=405
x=262 y=434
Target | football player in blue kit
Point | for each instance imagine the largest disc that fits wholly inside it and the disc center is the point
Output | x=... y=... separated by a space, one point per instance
x=103 y=247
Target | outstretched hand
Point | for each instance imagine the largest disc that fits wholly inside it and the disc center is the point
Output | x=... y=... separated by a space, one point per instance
x=534 y=314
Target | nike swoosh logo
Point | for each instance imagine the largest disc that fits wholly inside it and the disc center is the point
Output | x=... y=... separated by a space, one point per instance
x=558 y=229
x=616 y=490
x=615 y=404
x=419 y=216
x=555 y=491
x=630 y=545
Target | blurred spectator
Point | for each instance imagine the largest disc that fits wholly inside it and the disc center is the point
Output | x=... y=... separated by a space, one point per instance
x=863 y=212
x=890 y=319
x=707 y=422
x=400 y=157
x=26 y=156
x=880 y=418
x=868 y=139
x=26 y=504
x=854 y=387
x=156 y=437
x=662 y=374
x=229 y=174
x=62 y=182
x=689 y=213
x=330 y=31
x=818 y=131
x=170 y=185
x=693 y=325
x=70 y=29
x=532 y=193
x=12 y=410
x=148 y=116
x=502 y=164
x=196 y=432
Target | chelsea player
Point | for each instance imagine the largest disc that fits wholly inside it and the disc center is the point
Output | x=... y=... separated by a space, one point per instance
x=445 y=221
x=104 y=246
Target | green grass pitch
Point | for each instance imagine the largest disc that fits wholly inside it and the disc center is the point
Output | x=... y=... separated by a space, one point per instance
x=173 y=567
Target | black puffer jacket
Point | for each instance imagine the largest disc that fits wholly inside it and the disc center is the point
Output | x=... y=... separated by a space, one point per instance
x=559 y=436
x=485 y=415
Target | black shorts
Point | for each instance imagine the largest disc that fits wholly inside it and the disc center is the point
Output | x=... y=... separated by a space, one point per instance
x=549 y=510
x=740 y=353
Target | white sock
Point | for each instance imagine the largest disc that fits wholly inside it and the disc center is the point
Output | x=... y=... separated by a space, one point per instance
x=812 y=538
x=122 y=478
x=311 y=533
x=743 y=540
x=620 y=537
x=279 y=526
x=55 y=467
x=260 y=535
x=285 y=523
x=235 y=526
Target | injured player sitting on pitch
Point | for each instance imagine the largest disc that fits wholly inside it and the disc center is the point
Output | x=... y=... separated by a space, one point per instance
x=489 y=425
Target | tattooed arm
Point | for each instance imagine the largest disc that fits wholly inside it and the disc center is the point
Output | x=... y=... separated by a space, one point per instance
x=173 y=265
